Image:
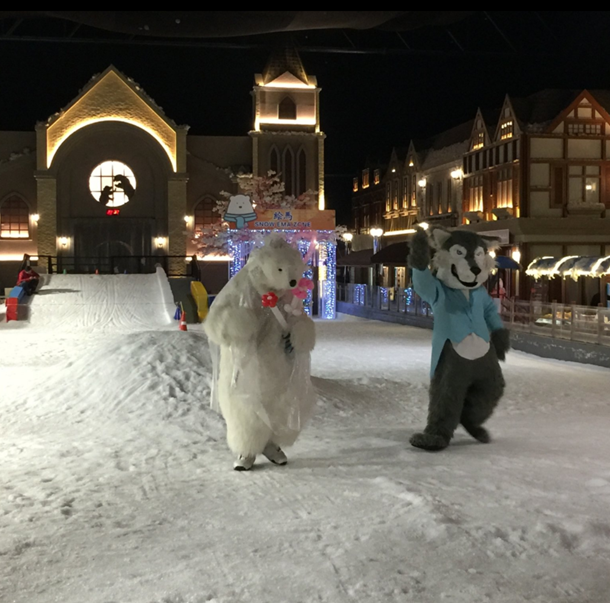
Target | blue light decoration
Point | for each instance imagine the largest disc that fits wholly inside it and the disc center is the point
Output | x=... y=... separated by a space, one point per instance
x=326 y=261
x=383 y=297
x=236 y=251
x=303 y=247
x=359 y=294
x=328 y=258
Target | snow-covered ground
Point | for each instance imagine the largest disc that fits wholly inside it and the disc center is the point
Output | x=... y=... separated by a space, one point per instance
x=116 y=485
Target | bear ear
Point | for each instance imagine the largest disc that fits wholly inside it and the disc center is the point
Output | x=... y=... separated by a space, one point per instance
x=438 y=236
x=275 y=241
x=491 y=243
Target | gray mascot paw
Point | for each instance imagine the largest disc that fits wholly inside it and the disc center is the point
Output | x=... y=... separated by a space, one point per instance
x=429 y=441
x=419 y=255
x=500 y=339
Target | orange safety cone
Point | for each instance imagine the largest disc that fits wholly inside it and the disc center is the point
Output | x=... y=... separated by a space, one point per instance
x=183 y=321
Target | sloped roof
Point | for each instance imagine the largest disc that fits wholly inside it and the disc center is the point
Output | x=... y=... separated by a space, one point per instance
x=284 y=59
x=356 y=258
x=538 y=110
x=394 y=254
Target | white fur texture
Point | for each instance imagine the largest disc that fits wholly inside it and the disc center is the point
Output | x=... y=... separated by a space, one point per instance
x=264 y=393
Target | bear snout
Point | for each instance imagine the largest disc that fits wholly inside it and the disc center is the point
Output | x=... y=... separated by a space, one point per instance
x=293 y=283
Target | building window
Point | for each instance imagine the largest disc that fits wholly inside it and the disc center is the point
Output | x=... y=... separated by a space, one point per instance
x=14 y=219
x=405 y=192
x=355 y=185
x=365 y=178
x=301 y=172
x=584 y=129
x=583 y=184
x=287 y=109
x=288 y=171
x=506 y=130
x=274 y=160
x=504 y=189
x=439 y=196
x=474 y=198
x=479 y=141
x=112 y=184
x=376 y=177
x=449 y=195
x=388 y=195
x=204 y=214
x=395 y=194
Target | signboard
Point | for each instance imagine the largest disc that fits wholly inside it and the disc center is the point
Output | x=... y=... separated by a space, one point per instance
x=294 y=219
x=242 y=213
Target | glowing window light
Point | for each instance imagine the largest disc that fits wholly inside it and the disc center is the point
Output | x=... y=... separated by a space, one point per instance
x=112 y=183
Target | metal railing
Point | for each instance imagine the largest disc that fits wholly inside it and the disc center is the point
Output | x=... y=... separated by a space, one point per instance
x=586 y=324
x=118 y=264
x=404 y=301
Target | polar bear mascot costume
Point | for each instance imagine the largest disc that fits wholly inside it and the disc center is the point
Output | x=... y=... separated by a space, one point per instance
x=261 y=343
x=468 y=337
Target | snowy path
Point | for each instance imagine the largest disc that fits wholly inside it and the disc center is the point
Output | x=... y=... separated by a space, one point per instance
x=116 y=485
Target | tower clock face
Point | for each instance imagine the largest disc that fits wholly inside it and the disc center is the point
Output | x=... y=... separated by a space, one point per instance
x=112 y=184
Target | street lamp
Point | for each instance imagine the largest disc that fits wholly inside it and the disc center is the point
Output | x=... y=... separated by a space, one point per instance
x=348 y=238
x=376 y=233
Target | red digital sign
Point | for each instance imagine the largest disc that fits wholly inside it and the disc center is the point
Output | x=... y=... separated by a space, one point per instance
x=113 y=211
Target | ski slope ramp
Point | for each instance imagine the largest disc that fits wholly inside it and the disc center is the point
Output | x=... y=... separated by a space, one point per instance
x=114 y=302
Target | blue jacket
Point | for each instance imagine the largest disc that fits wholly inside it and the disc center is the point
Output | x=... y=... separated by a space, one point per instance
x=455 y=317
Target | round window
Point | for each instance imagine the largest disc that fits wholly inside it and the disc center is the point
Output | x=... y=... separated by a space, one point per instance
x=112 y=183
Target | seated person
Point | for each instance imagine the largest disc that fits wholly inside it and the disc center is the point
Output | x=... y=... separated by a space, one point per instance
x=28 y=279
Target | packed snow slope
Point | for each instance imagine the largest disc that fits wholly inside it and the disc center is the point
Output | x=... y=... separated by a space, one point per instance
x=111 y=302
x=116 y=485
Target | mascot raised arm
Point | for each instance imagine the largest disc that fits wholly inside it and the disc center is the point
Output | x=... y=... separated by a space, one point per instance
x=261 y=343
x=468 y=338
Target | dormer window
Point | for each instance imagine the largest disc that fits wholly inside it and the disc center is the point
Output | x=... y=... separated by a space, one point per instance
x=287 y=109
x=376 y=177
x=506 y=130
x=479 y=140
x=355 y=185
x=365 y=178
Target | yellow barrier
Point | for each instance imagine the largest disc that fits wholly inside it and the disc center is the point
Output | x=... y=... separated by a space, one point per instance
x=200 y=295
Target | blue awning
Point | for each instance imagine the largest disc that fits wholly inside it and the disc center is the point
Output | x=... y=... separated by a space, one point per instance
x=507 y=263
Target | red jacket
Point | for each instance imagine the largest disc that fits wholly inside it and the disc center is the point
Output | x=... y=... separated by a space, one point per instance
x=25 y=276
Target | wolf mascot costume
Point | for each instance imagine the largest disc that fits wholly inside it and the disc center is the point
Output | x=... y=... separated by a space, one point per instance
x=468 y=337
x=261 y=354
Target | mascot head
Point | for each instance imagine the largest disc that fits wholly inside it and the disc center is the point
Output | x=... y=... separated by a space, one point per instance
x=277 y=265
x=461 y=258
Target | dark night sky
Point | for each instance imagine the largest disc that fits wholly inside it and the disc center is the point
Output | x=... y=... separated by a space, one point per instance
x=369 y=102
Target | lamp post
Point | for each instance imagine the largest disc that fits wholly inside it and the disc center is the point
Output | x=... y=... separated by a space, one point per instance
x=376 y=233
x=517 y=257
x=348 y=238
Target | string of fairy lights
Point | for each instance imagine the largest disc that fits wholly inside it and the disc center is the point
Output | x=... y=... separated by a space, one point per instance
x=324 y=258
